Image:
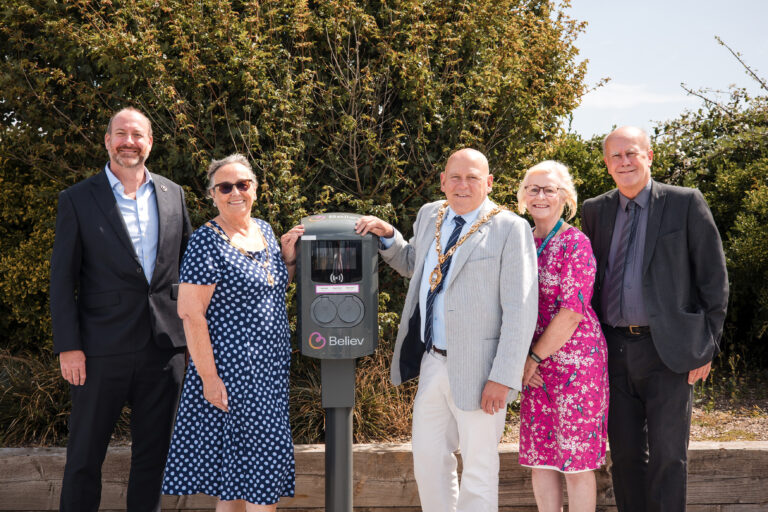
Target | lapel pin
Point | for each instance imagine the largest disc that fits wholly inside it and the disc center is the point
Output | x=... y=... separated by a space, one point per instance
x=163 y=188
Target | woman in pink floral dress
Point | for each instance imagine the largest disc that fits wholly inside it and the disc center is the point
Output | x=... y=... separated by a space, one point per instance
x=565 y=381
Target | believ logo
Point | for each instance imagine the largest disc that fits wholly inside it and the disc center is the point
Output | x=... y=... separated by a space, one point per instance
x=318 y=341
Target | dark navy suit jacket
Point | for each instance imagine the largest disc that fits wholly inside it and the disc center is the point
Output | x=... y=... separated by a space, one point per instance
x=101 y=302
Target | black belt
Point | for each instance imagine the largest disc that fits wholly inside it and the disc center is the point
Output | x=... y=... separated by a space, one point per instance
x=440 y=351
x=633 y=330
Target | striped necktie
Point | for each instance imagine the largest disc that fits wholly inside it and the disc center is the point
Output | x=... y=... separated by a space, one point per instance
x=428 y=340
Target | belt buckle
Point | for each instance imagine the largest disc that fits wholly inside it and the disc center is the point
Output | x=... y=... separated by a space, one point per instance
x=632 y=329
x=439 y=351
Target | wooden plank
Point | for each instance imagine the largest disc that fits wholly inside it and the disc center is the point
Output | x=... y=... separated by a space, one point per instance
x=728 y=473
x=723 y=477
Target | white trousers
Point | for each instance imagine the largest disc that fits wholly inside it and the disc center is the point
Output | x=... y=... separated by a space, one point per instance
x=439 y=429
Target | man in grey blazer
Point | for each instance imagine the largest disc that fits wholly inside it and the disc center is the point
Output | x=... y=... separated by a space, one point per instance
x=466 y=329
x=661 y=294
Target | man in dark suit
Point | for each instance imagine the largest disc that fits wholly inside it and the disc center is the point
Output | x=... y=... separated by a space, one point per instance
x=120 y=236
x=661 y=294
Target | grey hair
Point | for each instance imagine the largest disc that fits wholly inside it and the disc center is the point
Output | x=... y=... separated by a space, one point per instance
x=646 y=138
x=234 y=158
x=565 y=184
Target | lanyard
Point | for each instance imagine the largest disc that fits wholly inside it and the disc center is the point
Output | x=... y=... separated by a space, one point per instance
x=549 y=237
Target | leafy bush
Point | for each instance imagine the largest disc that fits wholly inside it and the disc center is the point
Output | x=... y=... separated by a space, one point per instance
x=340 y=105
x=722 y=149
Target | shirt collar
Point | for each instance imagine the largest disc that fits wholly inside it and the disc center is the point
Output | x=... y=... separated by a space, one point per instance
x=641 y=199
x=114 y=181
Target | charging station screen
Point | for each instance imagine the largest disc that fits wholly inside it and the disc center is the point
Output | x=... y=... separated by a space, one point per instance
x=337 y=261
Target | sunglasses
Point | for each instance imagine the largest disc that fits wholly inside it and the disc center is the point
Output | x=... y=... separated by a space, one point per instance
x=226 y=187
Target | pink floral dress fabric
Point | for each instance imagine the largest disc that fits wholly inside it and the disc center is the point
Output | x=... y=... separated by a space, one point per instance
x=563 y=424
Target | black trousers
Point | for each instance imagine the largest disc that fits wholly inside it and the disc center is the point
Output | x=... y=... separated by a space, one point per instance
x=150 y=382
x=649 y=423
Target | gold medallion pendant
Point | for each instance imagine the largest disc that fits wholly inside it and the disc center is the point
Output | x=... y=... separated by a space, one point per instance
x=435 y=277
x=437 y=274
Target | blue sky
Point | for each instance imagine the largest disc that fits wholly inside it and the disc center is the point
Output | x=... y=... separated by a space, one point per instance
x=648 y=48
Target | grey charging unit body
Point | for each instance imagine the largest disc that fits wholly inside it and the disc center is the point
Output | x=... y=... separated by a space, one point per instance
x=338 y=287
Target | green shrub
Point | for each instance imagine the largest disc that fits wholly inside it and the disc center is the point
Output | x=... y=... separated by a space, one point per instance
x=340 y=105
x=722 y=149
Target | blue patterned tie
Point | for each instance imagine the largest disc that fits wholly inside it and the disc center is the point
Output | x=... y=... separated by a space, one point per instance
x=431 y=294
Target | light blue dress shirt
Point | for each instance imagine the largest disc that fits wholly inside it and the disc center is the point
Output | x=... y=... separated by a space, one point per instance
x=141 y=218
x=438 y=309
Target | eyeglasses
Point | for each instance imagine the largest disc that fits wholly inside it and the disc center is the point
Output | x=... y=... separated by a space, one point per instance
x=533 y=190
x=226 y=187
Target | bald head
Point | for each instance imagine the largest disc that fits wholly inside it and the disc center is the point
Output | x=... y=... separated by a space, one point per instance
x=466 y=180
x=632 y=132
x=628 y=156
x=469 y=155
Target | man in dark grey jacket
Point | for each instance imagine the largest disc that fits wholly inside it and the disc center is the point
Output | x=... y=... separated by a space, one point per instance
x=661 y=294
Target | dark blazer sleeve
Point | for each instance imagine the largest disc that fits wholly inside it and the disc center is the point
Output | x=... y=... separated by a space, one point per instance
x=587 y=219
x=589 y=226
x=708 y=265
x=167 y=328
x=186 y=228
x=64 y=278
x=685 y=283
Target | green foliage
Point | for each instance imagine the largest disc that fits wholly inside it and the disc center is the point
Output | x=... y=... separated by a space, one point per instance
x=722 y=149
x=340 y=105
x=584 y=159
x=28 y=211
x=748 y=245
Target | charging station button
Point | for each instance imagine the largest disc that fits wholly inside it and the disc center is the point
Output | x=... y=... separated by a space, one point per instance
x=351 y=310
x=323 y=310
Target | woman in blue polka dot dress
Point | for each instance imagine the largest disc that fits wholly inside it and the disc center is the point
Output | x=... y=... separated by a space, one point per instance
x=232 y=438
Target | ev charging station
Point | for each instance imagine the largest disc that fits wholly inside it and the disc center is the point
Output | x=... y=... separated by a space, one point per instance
x=338 y=288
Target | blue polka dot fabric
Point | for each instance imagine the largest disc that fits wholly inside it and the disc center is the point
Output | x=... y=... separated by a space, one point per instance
x=247 y=453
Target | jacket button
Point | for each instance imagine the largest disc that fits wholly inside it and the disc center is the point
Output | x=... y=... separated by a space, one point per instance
x=138 y=270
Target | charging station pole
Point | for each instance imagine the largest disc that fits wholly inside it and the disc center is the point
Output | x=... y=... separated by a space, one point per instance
x=337 y=290
x=338 y=378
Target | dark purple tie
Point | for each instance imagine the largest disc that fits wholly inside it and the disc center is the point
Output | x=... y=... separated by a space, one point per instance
x=614 y=283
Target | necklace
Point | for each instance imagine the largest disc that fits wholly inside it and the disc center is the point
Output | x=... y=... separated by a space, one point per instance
x=264 y=264
x=437 y=274
x=549 y=237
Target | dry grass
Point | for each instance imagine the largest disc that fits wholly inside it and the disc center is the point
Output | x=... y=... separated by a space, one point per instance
x=34 y=404
x=382 y=412
x=722 y=411
x=34 y=401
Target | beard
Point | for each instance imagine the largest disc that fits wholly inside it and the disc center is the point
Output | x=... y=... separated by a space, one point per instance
x=128 y=161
